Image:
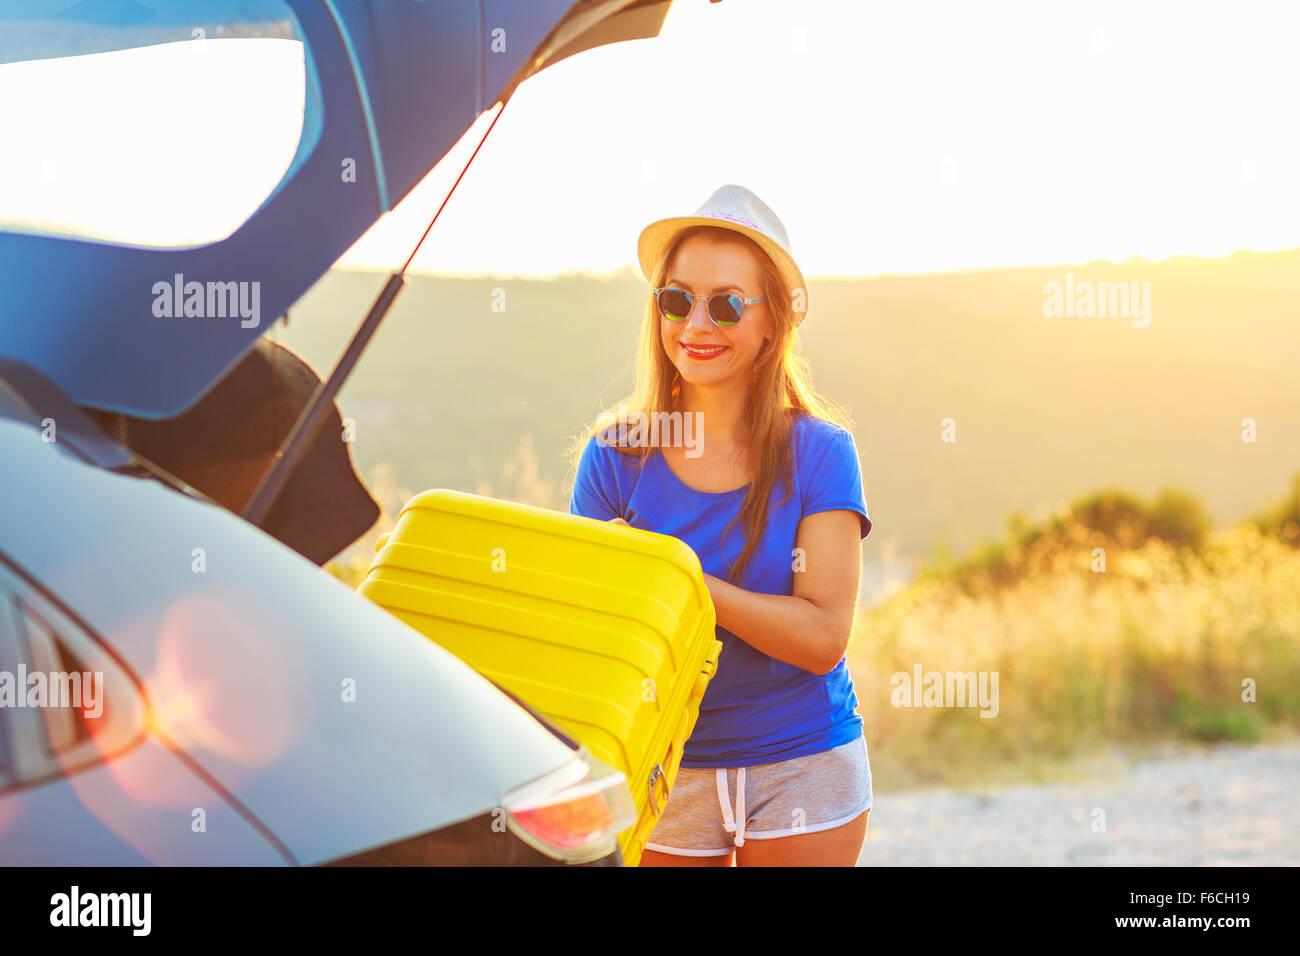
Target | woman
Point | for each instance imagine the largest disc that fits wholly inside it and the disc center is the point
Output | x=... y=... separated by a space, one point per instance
x=769 y=495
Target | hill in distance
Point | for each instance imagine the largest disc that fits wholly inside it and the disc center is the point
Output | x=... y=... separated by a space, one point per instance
x=1045 y=406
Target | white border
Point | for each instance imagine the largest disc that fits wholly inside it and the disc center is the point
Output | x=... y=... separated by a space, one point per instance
x=815 y=828
x=678 y=851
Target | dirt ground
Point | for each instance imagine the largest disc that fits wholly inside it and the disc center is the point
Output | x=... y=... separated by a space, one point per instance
x=1222 y=806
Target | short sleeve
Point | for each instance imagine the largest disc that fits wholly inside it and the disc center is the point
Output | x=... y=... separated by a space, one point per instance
x=830 y=479
x=595 y=490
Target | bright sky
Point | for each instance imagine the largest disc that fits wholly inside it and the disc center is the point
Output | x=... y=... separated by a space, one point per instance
x=892 y=137
x=889 y=137
x=109 y=152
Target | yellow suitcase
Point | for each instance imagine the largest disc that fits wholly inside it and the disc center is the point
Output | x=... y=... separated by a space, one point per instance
x=606 y=630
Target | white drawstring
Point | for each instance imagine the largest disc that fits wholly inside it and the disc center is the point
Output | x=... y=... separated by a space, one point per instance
x=733 y=824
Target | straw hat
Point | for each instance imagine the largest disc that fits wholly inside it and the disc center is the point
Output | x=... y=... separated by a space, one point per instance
x=730 y=207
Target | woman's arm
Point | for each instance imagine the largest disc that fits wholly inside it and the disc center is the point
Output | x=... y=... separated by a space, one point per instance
x=811 y=627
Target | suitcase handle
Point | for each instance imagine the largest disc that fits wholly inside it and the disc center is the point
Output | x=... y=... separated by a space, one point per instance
x=657 y=774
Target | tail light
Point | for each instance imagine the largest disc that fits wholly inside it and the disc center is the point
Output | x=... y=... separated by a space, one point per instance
x=574 y=814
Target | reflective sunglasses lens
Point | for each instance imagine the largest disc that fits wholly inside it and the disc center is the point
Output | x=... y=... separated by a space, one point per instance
x=726 y=310
x=674 y=304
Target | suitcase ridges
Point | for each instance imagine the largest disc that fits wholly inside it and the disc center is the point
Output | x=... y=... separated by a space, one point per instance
x=638 y=779
x=599 y=638
x=391 y=597
x=541 y=698
x=664 y=734
x=542 y=587
x=567 y=715
x=560 y=524
x=540 y=630
x=685 y=676
x=547 y=569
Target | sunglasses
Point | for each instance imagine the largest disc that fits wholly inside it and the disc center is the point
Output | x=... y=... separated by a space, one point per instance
x=724 y=311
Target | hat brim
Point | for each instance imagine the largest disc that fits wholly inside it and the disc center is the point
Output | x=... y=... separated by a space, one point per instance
x=655 y=239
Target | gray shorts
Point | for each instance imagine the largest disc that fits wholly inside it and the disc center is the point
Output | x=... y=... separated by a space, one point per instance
x=802 y=795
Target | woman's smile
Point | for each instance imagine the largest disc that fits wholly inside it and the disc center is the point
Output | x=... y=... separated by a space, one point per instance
x=701 y=352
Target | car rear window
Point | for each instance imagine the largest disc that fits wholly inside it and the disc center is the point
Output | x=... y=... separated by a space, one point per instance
x=164 y=125
x=65 y=701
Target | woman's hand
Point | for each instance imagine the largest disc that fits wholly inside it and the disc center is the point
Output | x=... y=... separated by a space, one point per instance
x=618 y=521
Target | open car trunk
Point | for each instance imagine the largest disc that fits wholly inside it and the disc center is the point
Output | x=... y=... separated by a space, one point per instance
x=226 y=442
x=204 y=397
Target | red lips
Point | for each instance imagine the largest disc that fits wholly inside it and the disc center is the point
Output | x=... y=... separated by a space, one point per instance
x=703 y=353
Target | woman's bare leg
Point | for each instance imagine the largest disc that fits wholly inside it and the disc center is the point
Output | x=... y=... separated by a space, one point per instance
x=840 y=846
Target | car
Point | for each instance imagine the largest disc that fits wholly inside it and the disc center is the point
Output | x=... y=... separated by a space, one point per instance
x=181 y=683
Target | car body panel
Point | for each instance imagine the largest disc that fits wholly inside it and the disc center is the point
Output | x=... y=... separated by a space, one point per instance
x=265 y=671
x=145 y=807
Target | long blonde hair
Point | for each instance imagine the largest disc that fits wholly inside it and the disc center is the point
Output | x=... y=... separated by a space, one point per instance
x=782 y=389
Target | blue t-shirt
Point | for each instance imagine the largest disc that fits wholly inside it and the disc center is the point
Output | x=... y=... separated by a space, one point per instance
x=756 y=709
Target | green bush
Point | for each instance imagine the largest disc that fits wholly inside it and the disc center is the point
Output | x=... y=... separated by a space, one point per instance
x=1109 y=519
x=1194 y=717
x=1282 y=520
